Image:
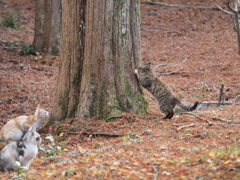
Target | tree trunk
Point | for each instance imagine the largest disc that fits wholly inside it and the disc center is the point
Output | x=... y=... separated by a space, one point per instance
x=47 y=26
x=100 y=49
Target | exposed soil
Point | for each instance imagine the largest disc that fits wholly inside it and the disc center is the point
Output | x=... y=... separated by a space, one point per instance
x=194 y=50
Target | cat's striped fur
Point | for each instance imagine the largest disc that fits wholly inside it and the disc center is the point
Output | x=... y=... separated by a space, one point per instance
x=161 y=91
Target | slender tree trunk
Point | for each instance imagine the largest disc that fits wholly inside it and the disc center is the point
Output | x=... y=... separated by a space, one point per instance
x=47 y=26
x=100 y=48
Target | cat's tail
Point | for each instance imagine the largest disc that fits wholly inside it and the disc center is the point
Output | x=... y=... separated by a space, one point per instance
x=186 y=108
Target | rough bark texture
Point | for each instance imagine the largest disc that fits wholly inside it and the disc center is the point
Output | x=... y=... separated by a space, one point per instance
x=47 y=26
x=98 y=59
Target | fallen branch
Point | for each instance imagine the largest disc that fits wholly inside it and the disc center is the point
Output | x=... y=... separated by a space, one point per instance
x=95 y=134
x=196 y=116
x=228 y=12
x=166 y=64
x=185 y=126
x=178 y=6
x=230 y=122
x=235 y=99
x=159 y=27
x=102 y=134
x=172 y=71
x=192 y=125
x=160 y=65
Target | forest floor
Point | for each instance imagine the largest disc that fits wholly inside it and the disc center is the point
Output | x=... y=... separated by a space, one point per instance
x=194 y=50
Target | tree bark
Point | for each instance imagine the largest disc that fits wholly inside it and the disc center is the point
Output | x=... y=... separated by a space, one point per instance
x=47 y=26
x=100 y=49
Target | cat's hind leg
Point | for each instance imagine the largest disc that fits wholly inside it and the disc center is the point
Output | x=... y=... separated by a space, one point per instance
x=168 y=111
x=169 y=115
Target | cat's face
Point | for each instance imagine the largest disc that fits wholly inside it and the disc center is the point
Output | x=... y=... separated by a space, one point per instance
x=32 y=137
x=143 y=70
x=41 y=113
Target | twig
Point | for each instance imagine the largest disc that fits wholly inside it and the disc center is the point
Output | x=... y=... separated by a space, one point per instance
x=160 y=65
x=196 y=116
x=234 y=22
x=181 y=62
x=166 y=64
x=228 y=12
x=159 y=27
x=21 y=81
x=26 y=100
x=185 y=126
x=235 y=99
x=178 y=6
x=184 y=60
x=156 y=175
x=99 y=134
x=43 y=82
x=192 y=125
x=230 y=122
x=221 y=95
x=172 y=71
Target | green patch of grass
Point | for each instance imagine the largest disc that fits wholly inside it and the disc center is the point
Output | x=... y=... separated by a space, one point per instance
x=27 y=49
x=11 y=21
x=10 y=45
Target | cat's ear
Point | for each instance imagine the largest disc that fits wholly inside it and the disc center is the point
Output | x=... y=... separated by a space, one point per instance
x=37 y=111
x=148 y=65
x=30 y=128
x=38 y=106
x=33 y=131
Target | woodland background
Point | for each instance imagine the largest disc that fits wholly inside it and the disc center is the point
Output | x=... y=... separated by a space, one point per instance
x=194 y=50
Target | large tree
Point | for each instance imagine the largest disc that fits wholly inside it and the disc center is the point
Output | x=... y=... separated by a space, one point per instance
x=99 y=49
x=47 y=26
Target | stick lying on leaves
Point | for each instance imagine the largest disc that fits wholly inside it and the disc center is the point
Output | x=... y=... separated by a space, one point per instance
x=102 y=134
x=168 y=73
x=192 y=125
x=196 y=116
x=226 y=121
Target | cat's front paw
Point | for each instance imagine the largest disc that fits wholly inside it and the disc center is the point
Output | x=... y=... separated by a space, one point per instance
x=136 y=71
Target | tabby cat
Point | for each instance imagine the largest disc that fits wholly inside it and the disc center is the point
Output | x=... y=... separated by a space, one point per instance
x=14 y=129
x=24 y=151
x=161 y=91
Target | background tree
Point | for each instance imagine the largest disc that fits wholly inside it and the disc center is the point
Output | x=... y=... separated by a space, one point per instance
x=47 y=26
x=99 y=49
x=235 y=17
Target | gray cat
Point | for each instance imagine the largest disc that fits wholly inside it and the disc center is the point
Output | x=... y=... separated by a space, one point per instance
x=24 y=151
